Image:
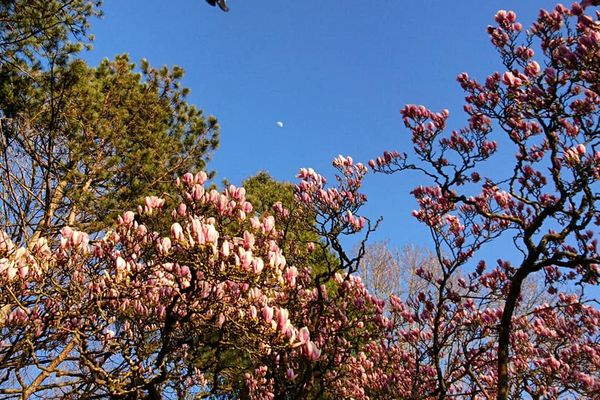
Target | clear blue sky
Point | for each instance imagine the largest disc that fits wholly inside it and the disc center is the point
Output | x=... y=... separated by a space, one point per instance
x=336 y=72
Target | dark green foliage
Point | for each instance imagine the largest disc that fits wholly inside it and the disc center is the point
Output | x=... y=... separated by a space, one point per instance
x=81 y=144
x=29 y=28
x=263 y=192
x=299 y=228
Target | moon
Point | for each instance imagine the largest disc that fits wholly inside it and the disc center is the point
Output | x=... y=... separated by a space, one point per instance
x=279 y=124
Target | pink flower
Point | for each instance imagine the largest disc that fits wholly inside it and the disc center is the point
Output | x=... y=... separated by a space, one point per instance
x=258 y=265
x=246 y=258
x=500 y=16
x=221 y=204
x=291 y=334
x=201 y=178
x=312 y=351
x=177 y=232
x=165 y=245
x=128 y=217
x=187 y=178
x=11 y=271
x=66 y=232
x=220 y=320
x=290 y=275
x=269 y=223
x=510 y=79
x=267 y=313
x=79 y=239
x=279 y=209
x=5 y=243
x=303 y=335
x=225 y=249
x=153 y=202
x=572 y=157
x=197 y=192
x=211 y=234
x=253 y=312
x=291 y=375
x=249 y=240
x=276 y=260
x=120 y=263
x=533 y=69
x=282 y=319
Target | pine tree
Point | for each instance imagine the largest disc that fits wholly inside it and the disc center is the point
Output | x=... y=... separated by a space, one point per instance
x=79 y=143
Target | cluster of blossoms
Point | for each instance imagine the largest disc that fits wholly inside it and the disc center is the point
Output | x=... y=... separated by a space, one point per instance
x=207 y=304
x=556 y=345
x=342 y=200
x=544 y=200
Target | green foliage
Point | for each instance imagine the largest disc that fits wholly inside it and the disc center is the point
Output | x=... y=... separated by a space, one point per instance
x=105 y=136
x=299 y=228
x=29 y=28
x=90 y=140
x=263 y=192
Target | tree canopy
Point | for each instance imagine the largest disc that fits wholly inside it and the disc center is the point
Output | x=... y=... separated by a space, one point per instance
x=251 y=293
x=80 y=144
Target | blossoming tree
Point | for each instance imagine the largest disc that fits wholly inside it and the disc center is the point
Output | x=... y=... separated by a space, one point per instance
x=212 y=309
x=538 y=119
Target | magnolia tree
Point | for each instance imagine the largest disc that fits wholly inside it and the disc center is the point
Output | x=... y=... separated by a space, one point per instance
x=539 y=120
x=212 y=310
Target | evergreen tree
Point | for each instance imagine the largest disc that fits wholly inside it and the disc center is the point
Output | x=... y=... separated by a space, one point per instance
x=303 y=238
x=30 y=28
x=80 y=143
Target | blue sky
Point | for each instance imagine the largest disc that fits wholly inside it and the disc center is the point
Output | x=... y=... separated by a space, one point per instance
x=336 y=72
